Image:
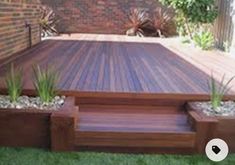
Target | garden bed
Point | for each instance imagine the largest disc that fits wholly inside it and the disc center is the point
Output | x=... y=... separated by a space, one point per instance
x=39 y=128
x=209 y=127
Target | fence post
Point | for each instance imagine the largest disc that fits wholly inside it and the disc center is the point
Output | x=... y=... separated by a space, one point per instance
x=223 y=27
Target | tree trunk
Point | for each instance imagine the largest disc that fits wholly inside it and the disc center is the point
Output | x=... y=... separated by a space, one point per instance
x=188 y=28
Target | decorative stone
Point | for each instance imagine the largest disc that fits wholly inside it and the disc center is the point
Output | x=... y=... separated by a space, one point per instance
x=25 y=102
x=227 y=108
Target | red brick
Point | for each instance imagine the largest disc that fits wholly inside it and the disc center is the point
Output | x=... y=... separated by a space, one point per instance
x=13 y=34
x=97 y=16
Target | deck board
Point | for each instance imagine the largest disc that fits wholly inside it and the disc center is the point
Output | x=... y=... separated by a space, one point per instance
x=106 y=66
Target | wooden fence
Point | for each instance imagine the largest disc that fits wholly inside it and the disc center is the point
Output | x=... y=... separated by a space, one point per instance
x=224 y=25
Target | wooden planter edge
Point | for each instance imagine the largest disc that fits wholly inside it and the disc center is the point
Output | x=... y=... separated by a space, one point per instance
x=46 y=129
x=63 y=124
x=207 y=127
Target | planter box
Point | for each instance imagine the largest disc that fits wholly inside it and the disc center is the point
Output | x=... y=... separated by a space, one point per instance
x=39 y=128
x=209 y=127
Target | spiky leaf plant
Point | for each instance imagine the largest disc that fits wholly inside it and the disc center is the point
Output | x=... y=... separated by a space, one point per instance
x=139 y=18
x=163 y=22
x=218 y=90
x=45 y=83
x=14 y=83
x=48 y=21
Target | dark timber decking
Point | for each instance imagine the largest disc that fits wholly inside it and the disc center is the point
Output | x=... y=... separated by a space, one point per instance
x=112 y=67
x=131 y=96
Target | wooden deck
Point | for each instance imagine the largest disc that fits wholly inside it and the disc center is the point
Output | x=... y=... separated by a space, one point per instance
x=112 y=67
x=215 y=61
x=131 y=95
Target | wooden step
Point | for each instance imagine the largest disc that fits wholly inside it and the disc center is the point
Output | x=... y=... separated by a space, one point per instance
x=135 y=139
x=131 y=126
x=131 y=99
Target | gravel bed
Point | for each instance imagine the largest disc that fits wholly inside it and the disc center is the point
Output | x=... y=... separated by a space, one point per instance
x=227 y=108
x=25 y=102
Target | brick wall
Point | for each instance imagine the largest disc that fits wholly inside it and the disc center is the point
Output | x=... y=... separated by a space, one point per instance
x=13 y=33
x=96 y=16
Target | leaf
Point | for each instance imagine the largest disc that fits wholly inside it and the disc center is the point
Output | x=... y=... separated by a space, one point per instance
x=45 y=83
x=14 y=83
x=217 y=92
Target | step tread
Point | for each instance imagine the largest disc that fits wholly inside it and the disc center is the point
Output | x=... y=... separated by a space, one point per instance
x=133 y=126
x=130 y=108
x=131 y=120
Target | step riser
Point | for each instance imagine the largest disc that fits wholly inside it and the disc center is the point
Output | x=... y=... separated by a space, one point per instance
x=111 y=139
x=131 y=109
x=132 y=102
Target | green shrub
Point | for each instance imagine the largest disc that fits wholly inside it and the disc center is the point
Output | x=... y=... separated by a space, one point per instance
x=45 y=83
x=204 y=40
x=196 y=11
x=181 y=27
x=193 y=12
x=14 y=83
x=218 y=90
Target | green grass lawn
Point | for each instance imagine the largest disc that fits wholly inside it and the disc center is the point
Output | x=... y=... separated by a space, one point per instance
x=22 y=156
